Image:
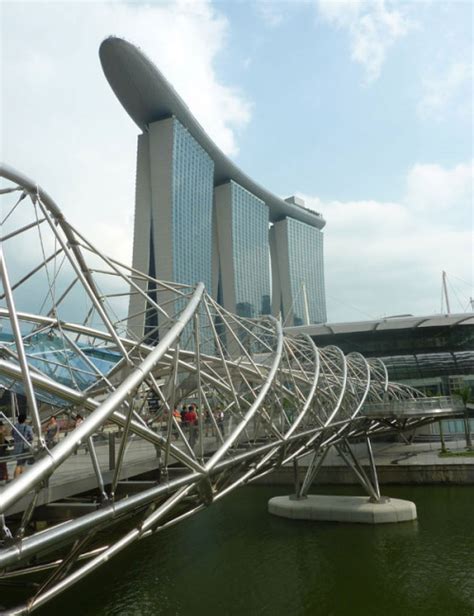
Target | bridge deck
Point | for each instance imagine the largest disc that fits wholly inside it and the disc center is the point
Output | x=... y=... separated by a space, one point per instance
x=436 y=407
x=76 y=474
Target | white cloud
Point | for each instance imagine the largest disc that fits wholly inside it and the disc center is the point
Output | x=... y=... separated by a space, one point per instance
x=373 y=27
x=445 y=91
x=61 y=123
x=386 y=258
x=270 y=11
x=431 y=188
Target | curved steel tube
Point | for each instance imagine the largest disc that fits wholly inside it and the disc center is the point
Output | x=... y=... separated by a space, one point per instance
x=282 y=397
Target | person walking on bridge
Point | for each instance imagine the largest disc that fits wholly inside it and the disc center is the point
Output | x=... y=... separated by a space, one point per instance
x=220 y=420
x=191 y=422
x=22 y=438
x=176 y=422
x=3 y=454
x=52 y=430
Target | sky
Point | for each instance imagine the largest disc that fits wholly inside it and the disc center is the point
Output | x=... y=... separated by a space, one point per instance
x=363 y=109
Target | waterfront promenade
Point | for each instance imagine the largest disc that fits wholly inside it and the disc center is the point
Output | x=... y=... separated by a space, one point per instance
x=397 y=463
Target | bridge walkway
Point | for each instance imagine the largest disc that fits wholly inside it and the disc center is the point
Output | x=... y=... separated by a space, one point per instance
x=76 y=475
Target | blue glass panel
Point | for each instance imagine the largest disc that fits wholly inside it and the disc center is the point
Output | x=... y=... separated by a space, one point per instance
x=53 y=357
x=306 y=263
x=192 y=198
x=250 y=253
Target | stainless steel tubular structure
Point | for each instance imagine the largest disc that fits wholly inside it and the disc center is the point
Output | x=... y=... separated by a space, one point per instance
x=70 y=346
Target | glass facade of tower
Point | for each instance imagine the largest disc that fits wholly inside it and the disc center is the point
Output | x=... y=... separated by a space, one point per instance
x=250 y=256
x=190 y=229
x=192 y=196
x=306 y=269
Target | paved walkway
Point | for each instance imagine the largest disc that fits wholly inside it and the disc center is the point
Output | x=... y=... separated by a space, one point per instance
x=406 y=455
x=76 y=474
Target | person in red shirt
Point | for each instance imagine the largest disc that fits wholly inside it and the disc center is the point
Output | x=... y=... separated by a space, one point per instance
x=190 y=417
x=190 y=420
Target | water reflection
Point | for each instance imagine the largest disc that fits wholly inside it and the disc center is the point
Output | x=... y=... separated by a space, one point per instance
x=235 y=559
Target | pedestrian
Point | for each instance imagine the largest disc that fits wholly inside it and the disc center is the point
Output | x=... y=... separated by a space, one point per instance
x=207 y=421
x=22 y=439
x=184 y=410
x=220 y=420
x=52 y=431
x=3 y=453
x=191 y=423
x=176 y=422
x=77 y=423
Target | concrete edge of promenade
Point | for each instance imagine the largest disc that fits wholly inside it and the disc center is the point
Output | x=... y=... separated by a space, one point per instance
x=397 y=463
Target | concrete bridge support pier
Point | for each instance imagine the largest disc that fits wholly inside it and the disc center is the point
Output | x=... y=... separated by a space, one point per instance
x=371 y=509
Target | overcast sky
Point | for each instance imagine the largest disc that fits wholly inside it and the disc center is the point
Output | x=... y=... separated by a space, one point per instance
x=362 y=108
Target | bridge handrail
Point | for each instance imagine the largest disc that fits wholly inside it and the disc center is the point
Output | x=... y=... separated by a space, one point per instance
x=397 y=407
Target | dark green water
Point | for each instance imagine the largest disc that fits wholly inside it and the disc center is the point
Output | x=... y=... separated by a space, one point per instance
x=235 y=559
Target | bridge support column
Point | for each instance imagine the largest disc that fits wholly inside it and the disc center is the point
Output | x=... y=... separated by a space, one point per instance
x=370 y=484
x=313 y=469
x=376 y=509
x=296 y=477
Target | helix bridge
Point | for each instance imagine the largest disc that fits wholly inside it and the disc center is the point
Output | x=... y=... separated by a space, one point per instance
x=67 y=347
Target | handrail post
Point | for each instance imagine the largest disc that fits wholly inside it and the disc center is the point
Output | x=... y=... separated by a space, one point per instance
x=111 y=451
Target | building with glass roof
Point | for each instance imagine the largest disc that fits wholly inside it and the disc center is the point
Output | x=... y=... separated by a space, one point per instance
x=432 y=353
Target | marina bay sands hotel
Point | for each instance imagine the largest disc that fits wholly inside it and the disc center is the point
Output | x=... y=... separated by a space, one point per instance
x=198 y=218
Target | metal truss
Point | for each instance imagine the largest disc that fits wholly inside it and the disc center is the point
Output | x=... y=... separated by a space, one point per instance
x=262 y=398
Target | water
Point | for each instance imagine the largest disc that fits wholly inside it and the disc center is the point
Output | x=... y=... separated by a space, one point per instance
x=235 y=559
